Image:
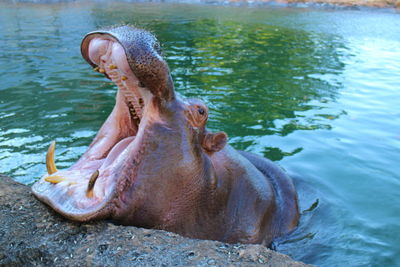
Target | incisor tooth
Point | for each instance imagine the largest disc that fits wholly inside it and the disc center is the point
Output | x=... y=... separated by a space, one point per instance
x=112 y=67
x=102 y=70
x=124 y=78
x=50 y=165
x=55 y=179
x=92 y=181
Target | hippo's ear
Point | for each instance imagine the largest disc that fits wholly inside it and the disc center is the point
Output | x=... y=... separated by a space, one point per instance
x=214 y=142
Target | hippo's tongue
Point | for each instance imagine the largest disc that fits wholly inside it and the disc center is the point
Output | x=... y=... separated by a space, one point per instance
x=85 y=189
x=97 y=166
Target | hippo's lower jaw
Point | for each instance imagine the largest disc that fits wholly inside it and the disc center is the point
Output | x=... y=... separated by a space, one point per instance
x=85 y=189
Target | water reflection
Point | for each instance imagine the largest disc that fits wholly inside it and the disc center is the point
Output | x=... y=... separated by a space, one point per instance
x=259 y=80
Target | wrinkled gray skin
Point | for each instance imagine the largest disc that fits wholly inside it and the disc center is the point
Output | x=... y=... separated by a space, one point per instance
x=175 y=175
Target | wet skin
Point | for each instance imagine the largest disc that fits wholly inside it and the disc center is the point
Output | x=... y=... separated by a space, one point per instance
x=154 y=164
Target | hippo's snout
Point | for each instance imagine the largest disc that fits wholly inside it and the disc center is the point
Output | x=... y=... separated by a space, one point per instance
x=141 y=51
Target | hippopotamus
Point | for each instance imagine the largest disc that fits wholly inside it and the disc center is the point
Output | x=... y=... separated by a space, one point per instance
x=154 y=164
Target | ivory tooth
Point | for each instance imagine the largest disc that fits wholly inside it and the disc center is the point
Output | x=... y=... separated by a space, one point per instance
x=124 y=78
x=92 y=181
x=112 y=67
x=96 y=69
x=89 y=194
x=101 y=70
x=50 y=164
x=55 y=179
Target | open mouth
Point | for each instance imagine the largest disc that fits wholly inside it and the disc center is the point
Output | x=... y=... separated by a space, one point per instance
x=93 y=179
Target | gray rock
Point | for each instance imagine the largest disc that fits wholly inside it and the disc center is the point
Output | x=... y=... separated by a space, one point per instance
x=31 y=234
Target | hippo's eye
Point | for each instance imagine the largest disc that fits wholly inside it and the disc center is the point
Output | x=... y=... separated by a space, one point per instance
x=156 y=47
x=201 y=111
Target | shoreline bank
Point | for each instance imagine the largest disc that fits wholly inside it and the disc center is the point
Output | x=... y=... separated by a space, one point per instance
x=34 y=235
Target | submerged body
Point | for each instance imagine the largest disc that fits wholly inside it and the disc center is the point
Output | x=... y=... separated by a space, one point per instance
x=154 y=164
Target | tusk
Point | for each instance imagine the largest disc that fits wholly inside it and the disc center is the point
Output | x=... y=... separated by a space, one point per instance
x=92 y=181
x=55 y=179
x=113 y=67
x=50 y=165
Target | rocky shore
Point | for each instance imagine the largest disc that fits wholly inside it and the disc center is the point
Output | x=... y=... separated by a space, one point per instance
x=33 y=235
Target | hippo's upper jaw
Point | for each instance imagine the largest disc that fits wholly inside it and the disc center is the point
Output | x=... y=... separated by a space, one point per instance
x=129 y=57
x=154 y=164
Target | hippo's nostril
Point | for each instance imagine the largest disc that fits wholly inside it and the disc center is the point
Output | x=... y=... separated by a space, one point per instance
x=201 y=111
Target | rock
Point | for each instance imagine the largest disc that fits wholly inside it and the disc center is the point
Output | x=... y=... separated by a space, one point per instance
x=31 y=234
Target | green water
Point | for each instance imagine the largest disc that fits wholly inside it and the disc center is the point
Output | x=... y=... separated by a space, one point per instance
x=315 y=90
